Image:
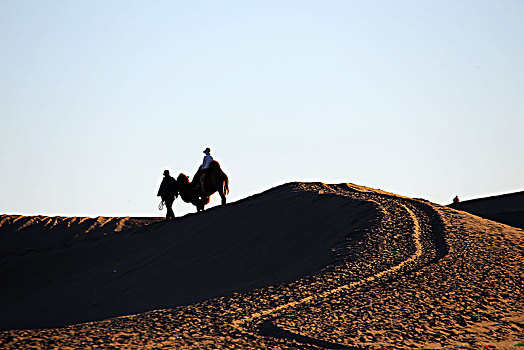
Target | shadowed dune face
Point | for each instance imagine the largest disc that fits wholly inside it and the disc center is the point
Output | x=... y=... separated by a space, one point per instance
x=24 y=234
x=59 y=271
x=302 y=266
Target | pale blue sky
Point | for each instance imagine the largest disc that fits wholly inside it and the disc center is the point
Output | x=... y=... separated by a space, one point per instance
x=97 y=98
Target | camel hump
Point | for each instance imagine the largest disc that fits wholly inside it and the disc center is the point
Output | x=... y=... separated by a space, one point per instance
x=214 y=164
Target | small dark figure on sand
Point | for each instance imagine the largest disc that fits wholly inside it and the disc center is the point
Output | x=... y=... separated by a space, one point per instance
x=168 y=191
x=456 y=200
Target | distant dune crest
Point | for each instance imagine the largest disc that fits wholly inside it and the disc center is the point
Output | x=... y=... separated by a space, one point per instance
x=506 y=208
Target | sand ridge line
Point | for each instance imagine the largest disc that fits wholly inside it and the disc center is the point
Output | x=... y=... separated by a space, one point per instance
x=98 y=223
x=121 y=224
x=12 y=221
x=49 y=222
x=102 y=221
x=81 y=219
x=238 y=324
x=16 y=219
x=35 y=220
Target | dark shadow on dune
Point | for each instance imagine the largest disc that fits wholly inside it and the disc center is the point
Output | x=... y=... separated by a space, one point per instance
x=437 y=230
x=269 y=329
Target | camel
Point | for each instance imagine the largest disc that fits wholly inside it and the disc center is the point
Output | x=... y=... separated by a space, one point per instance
x=215 y=180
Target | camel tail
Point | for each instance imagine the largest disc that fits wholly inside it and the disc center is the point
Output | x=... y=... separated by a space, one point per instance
x=226 y=185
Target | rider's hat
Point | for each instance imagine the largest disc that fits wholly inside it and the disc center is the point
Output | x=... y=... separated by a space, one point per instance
x=166 y=172
x=207 y=150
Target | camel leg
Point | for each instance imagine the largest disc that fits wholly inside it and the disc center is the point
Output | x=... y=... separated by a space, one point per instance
x=223 y=196
x=202 y=203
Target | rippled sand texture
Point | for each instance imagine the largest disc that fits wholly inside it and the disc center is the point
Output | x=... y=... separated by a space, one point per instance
x=302 y=266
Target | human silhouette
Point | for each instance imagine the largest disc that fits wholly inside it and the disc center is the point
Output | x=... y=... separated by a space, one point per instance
x=204 y=168
x=456 y=200
x=168 y=191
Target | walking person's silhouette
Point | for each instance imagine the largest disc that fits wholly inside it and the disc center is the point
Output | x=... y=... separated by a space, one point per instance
x=168 y=191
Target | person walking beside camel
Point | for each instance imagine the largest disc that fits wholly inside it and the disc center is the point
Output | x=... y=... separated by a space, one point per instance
x=168 y=191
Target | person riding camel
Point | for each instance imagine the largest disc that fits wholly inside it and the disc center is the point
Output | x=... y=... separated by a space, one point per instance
x=204 y=167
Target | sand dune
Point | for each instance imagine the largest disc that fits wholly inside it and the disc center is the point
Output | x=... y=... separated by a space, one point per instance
x=304 y=265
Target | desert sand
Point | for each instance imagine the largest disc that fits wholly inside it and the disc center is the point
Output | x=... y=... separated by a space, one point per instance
x=301 y=266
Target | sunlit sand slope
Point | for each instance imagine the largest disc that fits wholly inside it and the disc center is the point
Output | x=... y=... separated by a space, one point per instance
x=300 y=266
